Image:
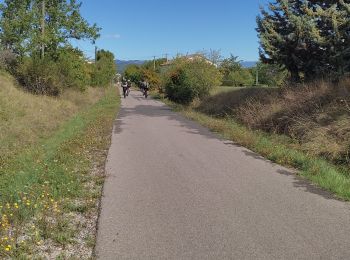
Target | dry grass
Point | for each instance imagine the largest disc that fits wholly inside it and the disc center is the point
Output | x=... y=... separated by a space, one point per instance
x=316 y=115
x=25 y=118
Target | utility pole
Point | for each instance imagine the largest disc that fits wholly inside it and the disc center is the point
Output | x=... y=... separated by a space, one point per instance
x=43 y=13
x=154 y=63
x=166 y=57
x=95 y=54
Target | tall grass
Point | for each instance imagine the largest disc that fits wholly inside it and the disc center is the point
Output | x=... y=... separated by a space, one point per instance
x=25 y=118
x=316 y=114
x=50 y=188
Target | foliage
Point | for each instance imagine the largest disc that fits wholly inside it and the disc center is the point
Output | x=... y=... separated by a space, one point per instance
x=229 y=65
x=104 y=69
x=150 y=65
x=73 y=69
x=8 y=60
x=214 y=56
x=133 y=72
x=146 y=72
x=188 y=80
x=40 y=76
x=36 y=33
x=25 y=32
x=234 y=74
x=270 y=74
x=50 y=77
x=309 y=38
x=152 y=77
x=241 y=77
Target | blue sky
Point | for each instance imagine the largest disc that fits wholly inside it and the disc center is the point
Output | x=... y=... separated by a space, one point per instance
x=139 y=29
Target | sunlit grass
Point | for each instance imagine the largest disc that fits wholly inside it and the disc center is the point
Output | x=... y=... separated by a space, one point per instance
x=39 y=182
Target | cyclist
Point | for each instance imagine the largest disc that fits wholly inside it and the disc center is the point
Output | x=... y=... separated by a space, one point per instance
x=145 y=88
x=128 y=87
x=125 y=87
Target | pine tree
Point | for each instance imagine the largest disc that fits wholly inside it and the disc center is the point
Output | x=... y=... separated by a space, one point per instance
x=309 y=38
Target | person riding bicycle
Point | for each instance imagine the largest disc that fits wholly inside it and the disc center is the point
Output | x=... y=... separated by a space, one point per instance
x=145 y=87
x=128 y=86
x=125 y=87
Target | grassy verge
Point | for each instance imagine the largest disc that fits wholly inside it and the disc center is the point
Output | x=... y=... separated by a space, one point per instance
x=50 y=192
x=277 y=148
x=26 y=118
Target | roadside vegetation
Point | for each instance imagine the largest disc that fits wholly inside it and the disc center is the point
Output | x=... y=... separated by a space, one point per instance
x=56 y=115
x=293 y=106
x=51 y=188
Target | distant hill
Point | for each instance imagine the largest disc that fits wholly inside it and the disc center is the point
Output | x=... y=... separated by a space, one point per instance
x=248 y=64
x=122 y=64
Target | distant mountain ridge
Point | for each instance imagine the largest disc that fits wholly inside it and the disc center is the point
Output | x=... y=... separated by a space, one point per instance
x=249 y=64
x=122 y=64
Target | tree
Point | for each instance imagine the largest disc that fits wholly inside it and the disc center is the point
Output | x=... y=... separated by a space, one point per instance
x=270 y=74
x=133 y=72
x=309 y=38
x=15 y=24
x=214 y=56
x=229 y=65
x=105 y=69
x=34 y=26
x=240 y=78
x=156 y=63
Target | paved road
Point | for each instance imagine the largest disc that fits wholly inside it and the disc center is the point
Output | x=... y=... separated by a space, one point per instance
x=176 y=191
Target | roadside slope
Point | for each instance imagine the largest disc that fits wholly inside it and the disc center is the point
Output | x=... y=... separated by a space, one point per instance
x=50 y=189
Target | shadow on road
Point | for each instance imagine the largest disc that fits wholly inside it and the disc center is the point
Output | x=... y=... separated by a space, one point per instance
x=156 y=109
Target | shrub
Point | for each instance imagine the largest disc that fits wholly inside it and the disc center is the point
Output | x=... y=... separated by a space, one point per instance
x=8 y=60
x=104 y=69
x=73 y=69
x=315 y=114
x=39 y=76
x=133 y=72
x=176 y=88
x=152 y=77
x=190 y=79
x=240 y=78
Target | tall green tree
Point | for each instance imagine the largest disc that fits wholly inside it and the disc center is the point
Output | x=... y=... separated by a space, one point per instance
x=229 y=65
x=105 y=69
x=34 y=26
x=309 y=38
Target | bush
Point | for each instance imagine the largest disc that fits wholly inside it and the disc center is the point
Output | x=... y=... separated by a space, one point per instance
x=73 y=69
x=133 y=72
x=39 y=76
x=152 y=77
x=270 y=74
x=240 y=78
x=104 y=69
x=315 y=114
x=176 y=88
x=8 y=60
x=190 y=79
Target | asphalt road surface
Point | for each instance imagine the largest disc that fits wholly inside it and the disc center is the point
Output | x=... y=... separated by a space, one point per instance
x=175 y=190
